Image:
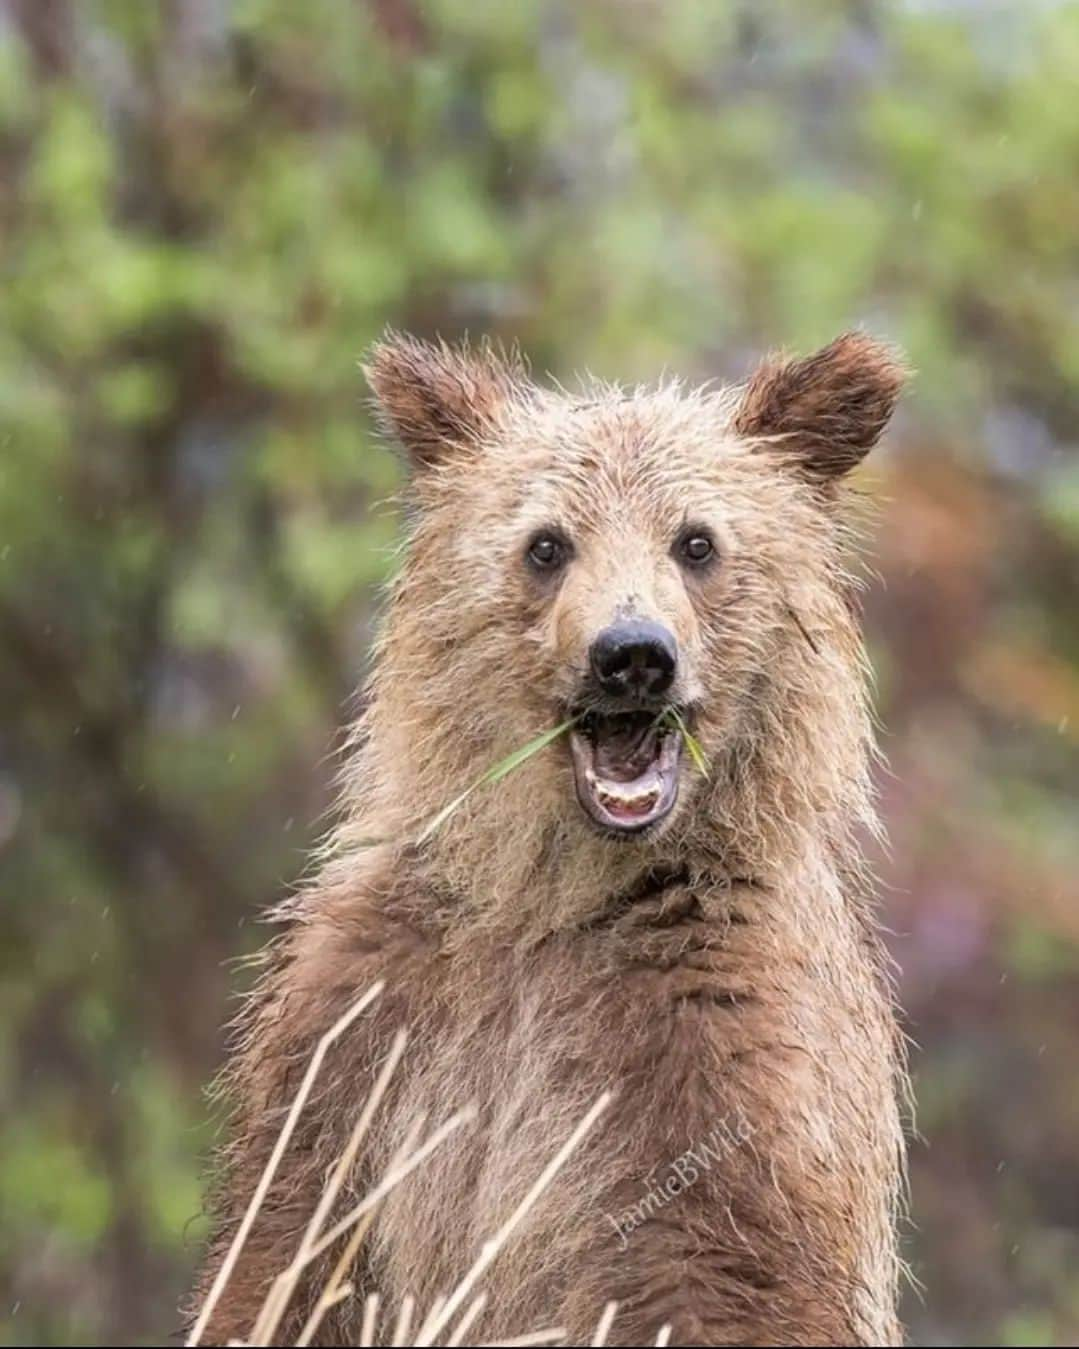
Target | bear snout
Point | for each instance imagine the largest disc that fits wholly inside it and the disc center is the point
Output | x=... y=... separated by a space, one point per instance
x=635 y=658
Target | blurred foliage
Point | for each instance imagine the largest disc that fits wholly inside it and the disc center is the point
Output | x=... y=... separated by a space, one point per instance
x=208 y=210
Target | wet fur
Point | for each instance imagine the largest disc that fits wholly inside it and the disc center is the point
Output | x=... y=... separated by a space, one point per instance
x=726 y=970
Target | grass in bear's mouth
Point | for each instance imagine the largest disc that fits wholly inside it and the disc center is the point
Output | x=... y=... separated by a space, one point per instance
x=626 y=765
x=495 y=774
x=670 y=717
x=674 y=718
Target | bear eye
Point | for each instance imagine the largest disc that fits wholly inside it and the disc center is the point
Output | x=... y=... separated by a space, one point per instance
x=696 y=547
x=547 y=552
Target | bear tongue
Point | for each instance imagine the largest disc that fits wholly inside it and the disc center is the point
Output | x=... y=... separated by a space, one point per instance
x=625 y=748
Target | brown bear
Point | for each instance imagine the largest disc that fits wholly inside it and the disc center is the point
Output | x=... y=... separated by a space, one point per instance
x=697 y=937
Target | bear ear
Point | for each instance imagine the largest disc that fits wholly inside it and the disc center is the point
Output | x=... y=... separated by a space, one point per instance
x=433 y=397
x=828 y=409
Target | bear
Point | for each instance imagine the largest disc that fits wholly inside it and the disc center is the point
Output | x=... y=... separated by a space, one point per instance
x=665 y=569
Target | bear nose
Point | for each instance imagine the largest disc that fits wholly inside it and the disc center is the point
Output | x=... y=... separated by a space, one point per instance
x=634 y=658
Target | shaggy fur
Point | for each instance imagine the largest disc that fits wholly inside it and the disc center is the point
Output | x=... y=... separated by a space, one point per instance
x=725 y=971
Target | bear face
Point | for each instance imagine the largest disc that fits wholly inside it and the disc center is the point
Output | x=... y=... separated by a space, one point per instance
x=622 y=559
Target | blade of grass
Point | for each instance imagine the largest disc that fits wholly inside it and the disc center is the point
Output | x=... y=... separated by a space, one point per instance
x=494 y=774
x=266 y=1326
x=370 y=1319
x=363 y=1212
x=404 y=1321
x=390 y=1181
x=553 y=1336
x=331 y=1295
x=355 y=1241
x=465 y=1324
x=692 y=744
x=228 y=1264
x=605 y=1323
x=435 y=1324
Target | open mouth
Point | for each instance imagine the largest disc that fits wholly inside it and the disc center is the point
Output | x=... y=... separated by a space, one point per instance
x=626 y=768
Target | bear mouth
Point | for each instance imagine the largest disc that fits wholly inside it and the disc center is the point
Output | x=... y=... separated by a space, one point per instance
x=625 y=766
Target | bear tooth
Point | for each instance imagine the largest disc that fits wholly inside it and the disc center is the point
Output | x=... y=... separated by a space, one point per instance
x=634 y=800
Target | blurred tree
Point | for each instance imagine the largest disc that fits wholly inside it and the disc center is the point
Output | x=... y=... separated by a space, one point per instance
x=207 y=211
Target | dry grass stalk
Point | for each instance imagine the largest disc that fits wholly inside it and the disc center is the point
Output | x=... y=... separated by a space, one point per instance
x=224 y=1273
x=358 y=1220
x=555 y=1335
x=434 y=1325
x=343 y=1291
x=605 y=1323
x=464 y=1325
x=285 y=1284
x=404 y=1321
x=390 y=1180
x=363 y=1214
x=434 y=1312
x=328 y=1297
x=370 y=1320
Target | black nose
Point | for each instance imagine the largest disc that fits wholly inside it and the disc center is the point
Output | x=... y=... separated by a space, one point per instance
x=634 y=658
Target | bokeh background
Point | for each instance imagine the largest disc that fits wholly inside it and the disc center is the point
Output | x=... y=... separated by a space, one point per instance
x=208 y=208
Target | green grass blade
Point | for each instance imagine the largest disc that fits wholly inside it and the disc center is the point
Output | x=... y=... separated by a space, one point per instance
x=692 y=744
x=494 y=774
